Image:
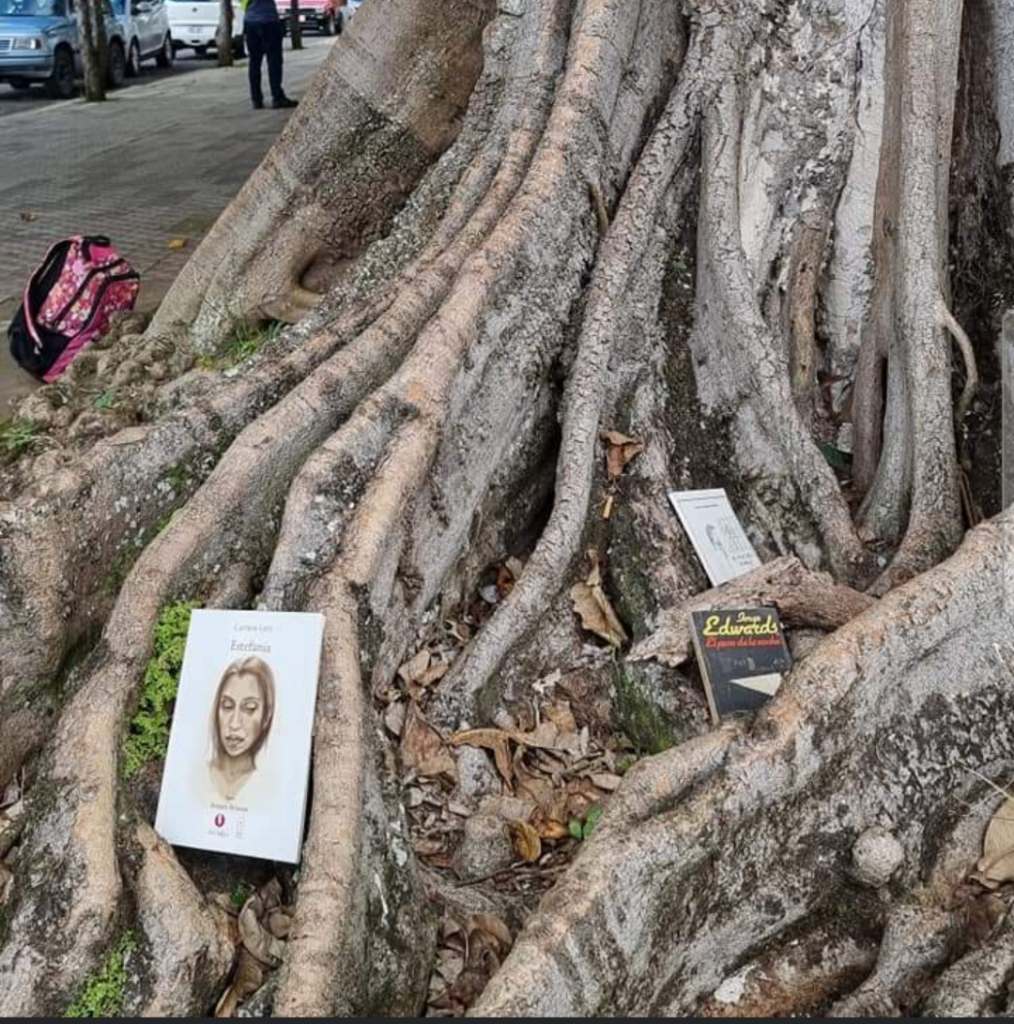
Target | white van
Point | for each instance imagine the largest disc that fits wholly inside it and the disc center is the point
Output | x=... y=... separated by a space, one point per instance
x=194 y=25
x=145 y=26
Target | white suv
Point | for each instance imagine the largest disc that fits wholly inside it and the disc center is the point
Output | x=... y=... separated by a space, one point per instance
x=145 y=25
x=194 y=25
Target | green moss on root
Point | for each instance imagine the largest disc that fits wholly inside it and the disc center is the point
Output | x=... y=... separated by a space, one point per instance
x=149 y=730
x=103 y=993
x=641 y=720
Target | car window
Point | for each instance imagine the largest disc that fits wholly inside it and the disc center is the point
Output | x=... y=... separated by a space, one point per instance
x=31 y=8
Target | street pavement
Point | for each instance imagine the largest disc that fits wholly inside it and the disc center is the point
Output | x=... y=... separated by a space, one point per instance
x=155 y=164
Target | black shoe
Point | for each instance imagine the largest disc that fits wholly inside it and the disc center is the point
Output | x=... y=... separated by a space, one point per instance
x=258 y=104
x=284 y=103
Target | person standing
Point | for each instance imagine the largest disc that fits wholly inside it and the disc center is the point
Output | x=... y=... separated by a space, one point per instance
x=262 y=27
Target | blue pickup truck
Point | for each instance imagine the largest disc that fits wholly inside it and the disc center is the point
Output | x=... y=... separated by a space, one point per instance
x=39 y=44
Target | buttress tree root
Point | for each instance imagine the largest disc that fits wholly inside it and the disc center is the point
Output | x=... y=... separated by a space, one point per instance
x=496 y=230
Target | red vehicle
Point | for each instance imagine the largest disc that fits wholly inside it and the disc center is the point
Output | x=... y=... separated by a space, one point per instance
x=326 y=16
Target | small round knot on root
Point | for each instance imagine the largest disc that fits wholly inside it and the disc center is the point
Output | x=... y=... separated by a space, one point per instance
x=876 y=856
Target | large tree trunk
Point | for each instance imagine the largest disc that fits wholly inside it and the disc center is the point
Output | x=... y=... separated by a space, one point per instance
x=495 y=230
x=94 y=56
x=223 y=41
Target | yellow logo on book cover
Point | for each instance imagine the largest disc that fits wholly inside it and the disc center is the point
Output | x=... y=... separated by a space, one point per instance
x=743 y=624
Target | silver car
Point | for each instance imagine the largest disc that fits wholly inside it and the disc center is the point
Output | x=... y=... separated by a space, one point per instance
x=39 y=43
x=145 y=25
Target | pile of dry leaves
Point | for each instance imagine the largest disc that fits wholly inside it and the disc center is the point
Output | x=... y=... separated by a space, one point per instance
x=470 y=953
x=502 y=809
x=259 y=927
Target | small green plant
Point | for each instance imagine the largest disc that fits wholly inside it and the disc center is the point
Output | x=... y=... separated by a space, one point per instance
x=103 y=992
x=836 y=458
x=17 y=435
x=149 y=729
x=105 y=401
x=582 y=830
x=240 y=894
x=176 y=478
x=244 y=340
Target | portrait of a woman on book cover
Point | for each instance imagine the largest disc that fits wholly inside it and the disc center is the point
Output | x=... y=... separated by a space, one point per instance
x=241 y=718
x=237 y=771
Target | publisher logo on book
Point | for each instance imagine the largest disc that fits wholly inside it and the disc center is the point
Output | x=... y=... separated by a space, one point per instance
x=219 y=821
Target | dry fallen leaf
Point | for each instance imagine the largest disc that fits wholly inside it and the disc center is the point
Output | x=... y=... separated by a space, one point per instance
x=423 y=748
x=177 y=243
x=553 y=830
x=413 y=669
x=505 y=580
x=493 y=927
x=434 y=673
x=561 y=716
x=256 y=938
x=279 y=924
x=394 y=718
x=997 y=863
x=595 y=611
x=620 y=449
x=527 y=845
x=28 y=218
x=248 y=979
x=490 y=739
x=540 y=791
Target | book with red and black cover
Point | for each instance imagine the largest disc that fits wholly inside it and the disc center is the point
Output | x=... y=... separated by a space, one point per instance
x=743 y=658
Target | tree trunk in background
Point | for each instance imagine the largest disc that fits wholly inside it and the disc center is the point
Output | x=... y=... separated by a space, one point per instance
x=94 y=54
x=768 y=240
x=295 y=28
x=225 y=34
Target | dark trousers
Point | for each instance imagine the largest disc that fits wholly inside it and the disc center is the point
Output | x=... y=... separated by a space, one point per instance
x=264 y=39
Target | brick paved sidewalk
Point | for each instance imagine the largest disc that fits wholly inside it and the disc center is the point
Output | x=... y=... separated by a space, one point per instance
x=157 y=162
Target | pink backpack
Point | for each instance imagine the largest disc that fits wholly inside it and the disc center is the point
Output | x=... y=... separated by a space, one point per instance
x=68 y=303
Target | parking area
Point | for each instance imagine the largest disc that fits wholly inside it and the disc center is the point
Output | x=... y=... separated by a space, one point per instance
x=187 y=63
x=152 y=168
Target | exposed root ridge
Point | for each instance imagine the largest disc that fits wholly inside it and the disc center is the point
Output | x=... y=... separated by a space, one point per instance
x=967 y=354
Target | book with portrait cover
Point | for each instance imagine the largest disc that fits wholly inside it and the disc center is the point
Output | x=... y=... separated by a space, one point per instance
x=743 y=658
x=715 y=531
x=238 y=764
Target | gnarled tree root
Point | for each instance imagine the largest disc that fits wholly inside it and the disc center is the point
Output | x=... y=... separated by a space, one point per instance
x=750 y=831
x=804 y=599
x=187 y=950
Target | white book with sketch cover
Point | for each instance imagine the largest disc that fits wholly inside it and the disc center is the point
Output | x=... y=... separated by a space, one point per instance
x=718 y=536
x=238 y=765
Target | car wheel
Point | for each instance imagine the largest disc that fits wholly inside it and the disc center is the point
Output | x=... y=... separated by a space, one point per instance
x=134 y=60
x=117 y=72
x=167 y=54
x=60 y=85
x=238 y=48
x=328 y=28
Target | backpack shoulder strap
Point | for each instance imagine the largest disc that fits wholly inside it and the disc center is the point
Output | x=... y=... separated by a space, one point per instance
x=27 y=300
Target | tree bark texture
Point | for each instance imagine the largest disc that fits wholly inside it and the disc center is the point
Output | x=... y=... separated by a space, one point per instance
x=492 y=231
